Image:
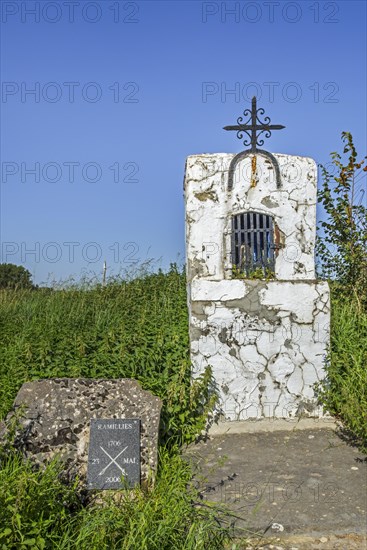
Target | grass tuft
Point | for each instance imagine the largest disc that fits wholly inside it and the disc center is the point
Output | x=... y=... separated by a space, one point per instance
x=344 y=392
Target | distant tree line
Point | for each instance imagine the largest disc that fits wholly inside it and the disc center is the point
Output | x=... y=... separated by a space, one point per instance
x=15 y=277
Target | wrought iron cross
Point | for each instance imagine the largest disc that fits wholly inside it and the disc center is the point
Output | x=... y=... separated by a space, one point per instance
x=253 y=128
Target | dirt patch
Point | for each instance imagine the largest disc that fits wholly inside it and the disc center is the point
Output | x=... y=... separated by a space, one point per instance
x=300 y=542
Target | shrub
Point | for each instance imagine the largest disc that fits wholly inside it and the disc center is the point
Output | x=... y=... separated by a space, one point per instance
x=342 y=253
x=342 y=249
x=344 y=392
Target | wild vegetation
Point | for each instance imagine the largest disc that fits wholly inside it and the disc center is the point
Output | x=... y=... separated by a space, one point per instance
x=344 y=393
x=38 y=511
x=132 y=327
x=15 y=277
x=342 y=254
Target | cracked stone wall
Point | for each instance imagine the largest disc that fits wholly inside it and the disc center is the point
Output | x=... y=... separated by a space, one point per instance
x=265 y=340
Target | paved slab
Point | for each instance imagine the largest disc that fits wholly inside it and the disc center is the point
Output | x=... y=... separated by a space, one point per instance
x=303 y=483
x=273 y=425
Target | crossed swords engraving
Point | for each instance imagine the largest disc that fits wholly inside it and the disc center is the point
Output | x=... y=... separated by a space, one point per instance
x=113 y=461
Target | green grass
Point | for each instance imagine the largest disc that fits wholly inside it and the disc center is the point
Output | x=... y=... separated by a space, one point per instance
x=38 y=511
x=130 y=328
x=134 y=328
x=345 y=390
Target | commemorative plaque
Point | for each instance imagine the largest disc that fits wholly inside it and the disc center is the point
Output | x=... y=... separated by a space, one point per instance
x=114 y=453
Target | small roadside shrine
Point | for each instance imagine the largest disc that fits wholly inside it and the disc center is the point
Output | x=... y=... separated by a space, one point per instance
x=258 y=316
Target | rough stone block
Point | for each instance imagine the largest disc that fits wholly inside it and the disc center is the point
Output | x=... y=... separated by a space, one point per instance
x=57 y=415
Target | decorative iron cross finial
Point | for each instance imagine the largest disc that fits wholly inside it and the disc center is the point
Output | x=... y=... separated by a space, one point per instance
x=253 y=127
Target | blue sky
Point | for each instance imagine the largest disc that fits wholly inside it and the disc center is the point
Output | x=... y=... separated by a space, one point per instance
x=125 y=91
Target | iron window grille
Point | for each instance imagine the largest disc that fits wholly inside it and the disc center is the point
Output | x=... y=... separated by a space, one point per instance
x=253 y=243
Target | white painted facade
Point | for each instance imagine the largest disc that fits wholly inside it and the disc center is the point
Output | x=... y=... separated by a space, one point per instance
x=265 y=340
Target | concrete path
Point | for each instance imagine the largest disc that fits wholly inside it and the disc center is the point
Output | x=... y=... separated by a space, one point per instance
x=288 y=486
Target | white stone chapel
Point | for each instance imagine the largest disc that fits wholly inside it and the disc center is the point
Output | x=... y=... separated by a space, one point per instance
x=258 y=315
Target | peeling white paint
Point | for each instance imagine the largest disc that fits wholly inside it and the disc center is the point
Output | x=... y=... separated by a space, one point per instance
x=266 y=341
x=211 y=290
x=209 y=206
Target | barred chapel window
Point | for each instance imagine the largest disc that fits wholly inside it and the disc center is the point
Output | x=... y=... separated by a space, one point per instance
x=252 y=244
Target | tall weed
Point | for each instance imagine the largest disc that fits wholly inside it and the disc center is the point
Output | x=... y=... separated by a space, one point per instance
x=344 y=392
x=38 y=511
x=130 y=328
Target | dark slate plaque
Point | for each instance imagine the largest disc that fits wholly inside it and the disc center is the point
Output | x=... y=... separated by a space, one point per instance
x=114 y=453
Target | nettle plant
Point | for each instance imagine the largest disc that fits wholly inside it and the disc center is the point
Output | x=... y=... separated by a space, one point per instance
x=256 y=273
x=342 y=246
